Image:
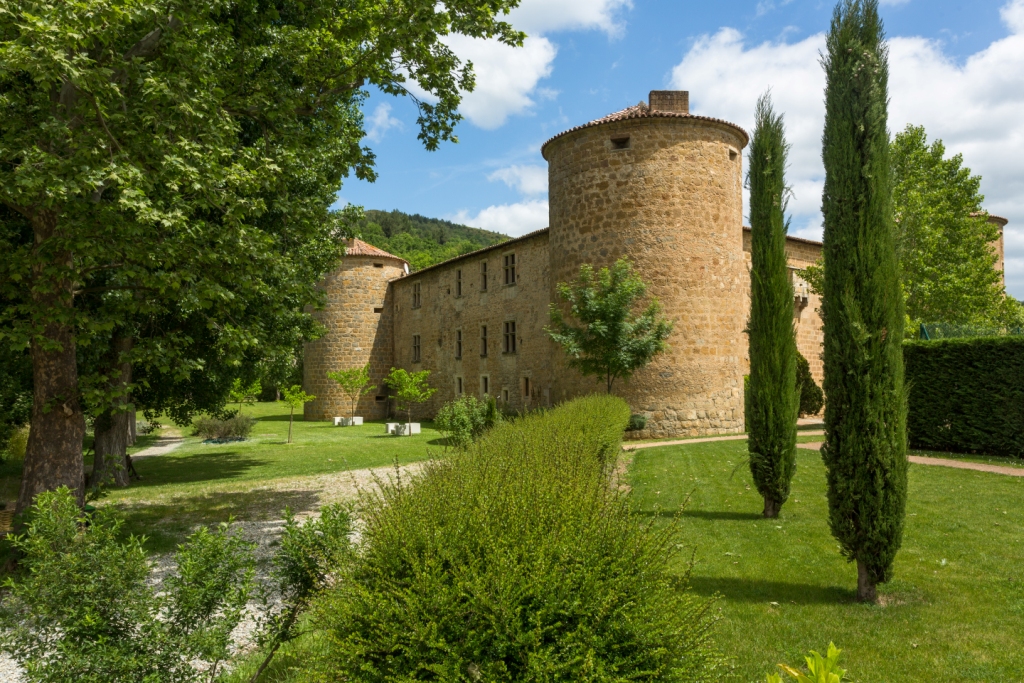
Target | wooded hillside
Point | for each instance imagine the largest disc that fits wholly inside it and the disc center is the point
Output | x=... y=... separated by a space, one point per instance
x=420 y=240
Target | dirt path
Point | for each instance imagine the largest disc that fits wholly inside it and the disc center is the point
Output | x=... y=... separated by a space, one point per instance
x=705 y=439
x=945 y=462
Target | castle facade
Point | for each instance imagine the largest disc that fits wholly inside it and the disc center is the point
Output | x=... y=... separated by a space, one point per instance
x=652 y=183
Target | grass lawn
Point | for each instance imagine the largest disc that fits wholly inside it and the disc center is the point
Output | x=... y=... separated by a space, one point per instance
x=254 y=479
x=954 y=611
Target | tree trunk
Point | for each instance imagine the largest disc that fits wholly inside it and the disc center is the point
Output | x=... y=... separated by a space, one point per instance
x=110 y=464
x=291 y=416
x=866 y=590
x=53 y=457
x=771 y=508
x=133 y=426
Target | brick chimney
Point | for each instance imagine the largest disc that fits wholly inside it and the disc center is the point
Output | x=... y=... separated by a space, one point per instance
x=677 y=101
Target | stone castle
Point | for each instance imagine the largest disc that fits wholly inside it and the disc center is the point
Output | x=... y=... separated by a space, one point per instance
x=652 y=183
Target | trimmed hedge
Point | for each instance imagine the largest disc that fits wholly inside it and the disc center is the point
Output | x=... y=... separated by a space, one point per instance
x=966 y=395
x=516 y=560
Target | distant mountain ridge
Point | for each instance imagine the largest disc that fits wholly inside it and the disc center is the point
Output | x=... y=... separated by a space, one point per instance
x=420 y=240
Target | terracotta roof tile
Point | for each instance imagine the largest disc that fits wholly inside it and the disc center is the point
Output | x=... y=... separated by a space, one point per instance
x=642 y=111
x=356 y=247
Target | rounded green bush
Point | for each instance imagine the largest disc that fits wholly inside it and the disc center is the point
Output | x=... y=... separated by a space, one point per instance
x=516 y=559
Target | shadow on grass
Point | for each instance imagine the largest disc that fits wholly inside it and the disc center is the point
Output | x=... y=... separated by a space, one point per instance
x=756 y=590
x=186 y=469
x=167 y=523
x=713 y=515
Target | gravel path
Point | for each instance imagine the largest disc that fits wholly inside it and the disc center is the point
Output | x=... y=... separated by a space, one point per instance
x=164 y=444
x=944 y=462
x=705 y=439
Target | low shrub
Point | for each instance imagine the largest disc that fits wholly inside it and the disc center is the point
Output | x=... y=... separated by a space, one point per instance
x=966 y=395
x=515 y=559
x=812 y=398
x=819 y=669
x=17 y=442
x=462 y=420
x=235 y=427
x=82 y=609
x=636 y=423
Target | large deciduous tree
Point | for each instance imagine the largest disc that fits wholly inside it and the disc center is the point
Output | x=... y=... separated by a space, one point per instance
x=865 y=414
x=607 y=336
x=774 y=400
x=943 y=237
x=147 y=145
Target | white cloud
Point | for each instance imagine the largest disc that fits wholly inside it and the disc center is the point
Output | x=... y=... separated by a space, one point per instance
x=528 y=180
x=505 y=77
x=974 y=106
x=381 y=122
x=509 y=219
x=544 y=16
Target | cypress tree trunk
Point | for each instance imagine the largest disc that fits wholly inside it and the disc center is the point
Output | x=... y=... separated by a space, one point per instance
x=862 y=308
x=774 y=402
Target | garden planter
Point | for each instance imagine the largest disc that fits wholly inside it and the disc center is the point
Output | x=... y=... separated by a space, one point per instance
x=357 y=421
x=391 y=428
x=412 y=427
x=340 y=421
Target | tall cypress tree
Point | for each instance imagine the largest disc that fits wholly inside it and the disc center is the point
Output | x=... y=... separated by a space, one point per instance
x=862 y=309
x=774 y=402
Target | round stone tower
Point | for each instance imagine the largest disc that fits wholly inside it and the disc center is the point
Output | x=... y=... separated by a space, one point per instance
x=357 y=314
x=662 y=187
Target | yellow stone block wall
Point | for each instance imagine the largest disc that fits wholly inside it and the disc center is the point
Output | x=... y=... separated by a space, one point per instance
x=441 y=313
x=357 y=334
x=806 y=310
x=672 y=203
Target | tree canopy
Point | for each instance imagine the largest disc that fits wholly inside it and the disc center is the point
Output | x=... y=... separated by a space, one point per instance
x=173 y=165
x=606 y=336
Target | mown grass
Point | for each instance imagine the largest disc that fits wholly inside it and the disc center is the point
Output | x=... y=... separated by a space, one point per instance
x=954 y=611
x=250 y=480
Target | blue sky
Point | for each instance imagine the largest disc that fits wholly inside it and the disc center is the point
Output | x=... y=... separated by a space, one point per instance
x=957 y=68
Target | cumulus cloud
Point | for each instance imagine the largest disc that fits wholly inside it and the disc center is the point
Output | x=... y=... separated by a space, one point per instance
x=528 y=180
x=510 y=219
x=974 y=106
x=507 y=79
x=381 y=121
x=545 y=16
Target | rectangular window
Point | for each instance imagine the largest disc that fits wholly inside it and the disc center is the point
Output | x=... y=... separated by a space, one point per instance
x=485 y=385
x=378 y=265
x=416 y=348
x=416 y=300
x=504 y=395
x=458 y=386
x=379 y=309
x=483 y=276
x=510 y=337
x=483 y=340
x=510 y=269
x=526 y=388
x=458 y=343
x=458 y=282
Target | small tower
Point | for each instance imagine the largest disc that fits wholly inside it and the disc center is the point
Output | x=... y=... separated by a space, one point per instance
x=358 y=316
x=663 y=188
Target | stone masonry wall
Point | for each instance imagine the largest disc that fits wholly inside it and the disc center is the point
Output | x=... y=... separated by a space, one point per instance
x=358 y=315
x=442 y=313
x=806 y=305
x=671 y=200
